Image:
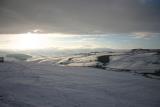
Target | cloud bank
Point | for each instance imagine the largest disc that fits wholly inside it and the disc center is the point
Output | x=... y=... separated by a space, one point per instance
x=80 y=16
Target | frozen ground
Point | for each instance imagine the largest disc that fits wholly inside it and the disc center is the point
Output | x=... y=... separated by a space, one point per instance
x=80 y=81
x=31 y=84
x=141 y=61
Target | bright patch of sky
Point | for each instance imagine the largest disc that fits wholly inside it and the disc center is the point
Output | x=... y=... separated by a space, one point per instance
x=34 y=41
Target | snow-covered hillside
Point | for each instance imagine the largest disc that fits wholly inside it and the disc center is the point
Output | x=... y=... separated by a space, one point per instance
x=32 y=84
x=142 y=61
x=137 y=60
x=75 y=81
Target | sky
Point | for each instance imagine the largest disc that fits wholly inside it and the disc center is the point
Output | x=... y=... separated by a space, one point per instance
x=75 y=24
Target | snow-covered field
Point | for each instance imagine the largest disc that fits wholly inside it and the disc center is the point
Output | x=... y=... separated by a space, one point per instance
x=65 y=82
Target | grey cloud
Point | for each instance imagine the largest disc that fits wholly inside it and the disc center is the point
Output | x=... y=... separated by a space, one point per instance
x=80 y=16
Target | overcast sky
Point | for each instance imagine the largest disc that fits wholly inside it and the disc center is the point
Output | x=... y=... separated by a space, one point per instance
x=126 y=18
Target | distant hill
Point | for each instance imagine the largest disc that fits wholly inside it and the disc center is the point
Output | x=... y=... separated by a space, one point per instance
x=19 y=56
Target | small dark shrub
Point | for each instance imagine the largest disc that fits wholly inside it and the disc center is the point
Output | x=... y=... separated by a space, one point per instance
x=1 y=59
x=158 y=53
x=156 y=62
x=103 y=59
x=157 y=72
x=100 y=66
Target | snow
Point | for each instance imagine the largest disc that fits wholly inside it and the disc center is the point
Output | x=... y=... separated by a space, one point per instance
x=141 y=62
x=46 y=85
x=71 y=81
